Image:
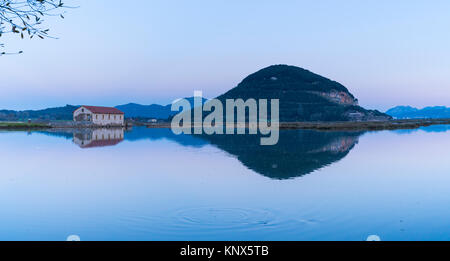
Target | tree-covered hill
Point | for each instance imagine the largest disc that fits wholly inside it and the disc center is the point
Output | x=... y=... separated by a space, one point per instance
x=303 y=95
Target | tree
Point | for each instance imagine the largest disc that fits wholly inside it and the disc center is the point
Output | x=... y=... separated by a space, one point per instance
x=25 y=18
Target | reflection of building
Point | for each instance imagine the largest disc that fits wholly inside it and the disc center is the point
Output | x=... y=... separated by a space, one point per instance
x=103 y=116
x=98 y=137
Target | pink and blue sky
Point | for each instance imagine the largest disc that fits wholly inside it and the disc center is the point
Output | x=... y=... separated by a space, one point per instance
x=386 y=53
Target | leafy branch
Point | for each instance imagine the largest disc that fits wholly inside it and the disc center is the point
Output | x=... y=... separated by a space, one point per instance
x=25 y=18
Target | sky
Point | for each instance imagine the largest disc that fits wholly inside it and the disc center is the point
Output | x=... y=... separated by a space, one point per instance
x=111 y=52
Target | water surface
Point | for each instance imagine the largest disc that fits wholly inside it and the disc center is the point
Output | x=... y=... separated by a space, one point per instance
x=149 y=184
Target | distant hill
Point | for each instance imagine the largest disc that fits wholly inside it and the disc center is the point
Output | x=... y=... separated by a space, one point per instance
x=134 y=110
x=131 y=110
x=57 y=113
x=408 y=112
x=303 y=95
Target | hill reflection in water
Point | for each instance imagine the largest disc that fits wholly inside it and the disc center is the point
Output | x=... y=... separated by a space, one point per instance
x=298 y=152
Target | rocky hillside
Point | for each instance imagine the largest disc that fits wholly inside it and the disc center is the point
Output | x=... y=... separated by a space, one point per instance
x=303 y=95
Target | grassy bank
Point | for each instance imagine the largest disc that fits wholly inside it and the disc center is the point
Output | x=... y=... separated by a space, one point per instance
x=21 y=126
x=326 y=126
x=365 y=125
x=347 y=125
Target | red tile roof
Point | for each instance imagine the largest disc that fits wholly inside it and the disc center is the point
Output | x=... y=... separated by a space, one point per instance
x=103 y=110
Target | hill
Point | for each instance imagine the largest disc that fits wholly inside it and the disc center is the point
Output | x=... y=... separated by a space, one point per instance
x=57 y=113
x=408 y=112
x=303 y=95
x=131 y=110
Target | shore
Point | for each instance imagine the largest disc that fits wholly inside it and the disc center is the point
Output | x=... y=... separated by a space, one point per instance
x=346 y=125
x=324 y=126
x=365 y=125
x=22 y=126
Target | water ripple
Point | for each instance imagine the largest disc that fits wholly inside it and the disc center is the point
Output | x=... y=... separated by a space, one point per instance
x=213 y=222
x=224 y=218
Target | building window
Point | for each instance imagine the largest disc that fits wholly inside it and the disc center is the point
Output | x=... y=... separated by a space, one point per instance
x=103 y=116
x=109 y=116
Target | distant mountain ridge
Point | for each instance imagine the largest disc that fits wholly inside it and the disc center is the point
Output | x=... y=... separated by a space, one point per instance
x=57 y=113
x=303 y=96
x=408 y=112
x=131 y=110
x=134 y=110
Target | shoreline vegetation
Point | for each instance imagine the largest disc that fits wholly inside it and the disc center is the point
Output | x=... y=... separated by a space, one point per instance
x=323 y=126
x=365 y=125
x=344 y=125
x=23 y=126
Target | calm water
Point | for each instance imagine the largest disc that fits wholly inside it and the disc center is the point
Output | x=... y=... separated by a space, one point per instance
x=149 y=184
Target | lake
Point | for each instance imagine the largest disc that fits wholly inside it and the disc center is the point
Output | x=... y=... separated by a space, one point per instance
x=149 y=184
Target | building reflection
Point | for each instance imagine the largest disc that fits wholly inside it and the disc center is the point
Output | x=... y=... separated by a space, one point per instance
x=298 y=152
x=102 y=137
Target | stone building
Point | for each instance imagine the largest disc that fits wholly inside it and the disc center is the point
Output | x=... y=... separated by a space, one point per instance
x=101 y=116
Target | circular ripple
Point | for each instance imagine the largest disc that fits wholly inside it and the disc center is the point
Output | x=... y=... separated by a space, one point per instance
x=224 y=218
x=220 y=223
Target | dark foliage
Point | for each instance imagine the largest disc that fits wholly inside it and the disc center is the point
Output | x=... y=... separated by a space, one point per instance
x=25 y=18
x=297 y=90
